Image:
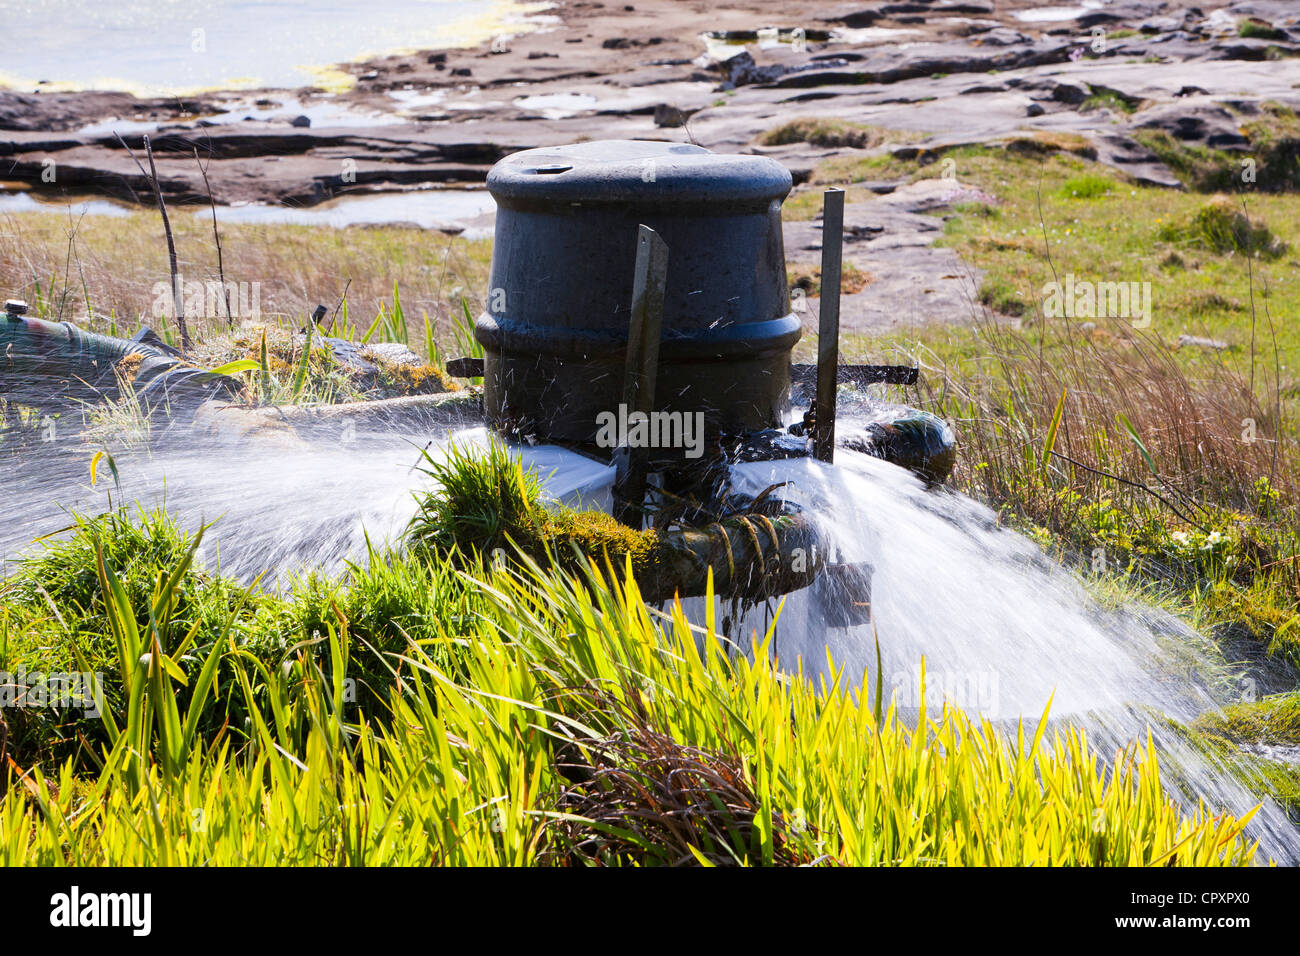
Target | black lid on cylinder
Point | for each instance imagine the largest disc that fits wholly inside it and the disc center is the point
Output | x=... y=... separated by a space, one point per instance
x=636 y=171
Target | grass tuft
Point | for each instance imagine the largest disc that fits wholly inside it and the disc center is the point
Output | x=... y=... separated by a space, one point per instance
x=1087 y=185
x=1254 y=29
x=830 y=133
x=1221 y=226
x=483 y=500
x=1274 y=721
x=1001 y=297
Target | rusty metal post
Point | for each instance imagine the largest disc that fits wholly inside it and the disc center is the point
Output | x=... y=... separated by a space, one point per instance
x=643 y=336
x=828 y=331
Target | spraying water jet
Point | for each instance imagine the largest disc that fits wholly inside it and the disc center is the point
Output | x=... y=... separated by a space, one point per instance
x=714 y=336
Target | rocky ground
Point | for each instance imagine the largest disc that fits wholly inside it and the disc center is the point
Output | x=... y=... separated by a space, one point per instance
x=946 y=72
x=891 y=241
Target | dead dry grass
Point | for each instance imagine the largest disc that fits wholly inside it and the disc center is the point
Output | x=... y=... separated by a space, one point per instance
x=1132 y=416
x=640 y=796
x=100 y=271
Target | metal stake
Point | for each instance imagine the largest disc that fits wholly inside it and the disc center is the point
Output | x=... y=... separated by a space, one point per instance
x=828 y=338
x=642 y=366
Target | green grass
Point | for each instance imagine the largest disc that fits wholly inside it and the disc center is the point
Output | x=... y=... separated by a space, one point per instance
x=1270 y=164
x=1225 y=549
x=57 y=619
x=1087 y=185
x=1258 y=30
x=475 y=766
x=1130 y=233
x=999 y=296
x=1272 y=721
x=483 y=505
x=829 y=132
x=100 y=273
x=1108 y=100
x=1223 y=227
x=1199 y=167
x=483 y=500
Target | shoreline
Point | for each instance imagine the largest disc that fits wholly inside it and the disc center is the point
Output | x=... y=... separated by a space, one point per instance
x=958 y=72
x=314 y=52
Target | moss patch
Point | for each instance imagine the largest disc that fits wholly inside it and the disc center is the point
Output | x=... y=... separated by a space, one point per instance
x=1255 y=29
x=600 y=535
x=1274 y=721
x=1103 y=98
x=128 y=367
x=396 y=379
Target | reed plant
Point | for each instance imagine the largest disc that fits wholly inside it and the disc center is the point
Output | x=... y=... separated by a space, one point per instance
x=529 y=752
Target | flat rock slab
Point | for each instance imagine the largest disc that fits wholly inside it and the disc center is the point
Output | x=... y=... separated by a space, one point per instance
x=892 y=239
